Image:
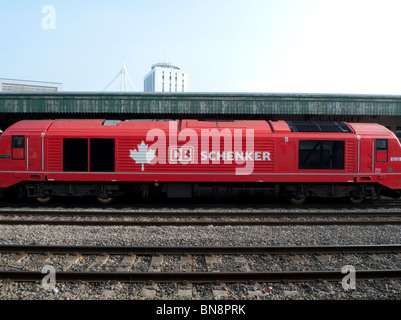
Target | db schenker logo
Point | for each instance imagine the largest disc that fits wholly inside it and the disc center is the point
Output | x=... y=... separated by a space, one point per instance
x=204 y=147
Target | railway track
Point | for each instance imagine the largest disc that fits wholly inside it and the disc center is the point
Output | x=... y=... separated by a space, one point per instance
x=201 y=277
x=184 y=271
x=230 y=212
x=204 y=250
x=129 y=204
x=231 y=217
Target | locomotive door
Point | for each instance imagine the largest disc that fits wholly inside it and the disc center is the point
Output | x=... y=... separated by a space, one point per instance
x=33 y=144
x=373 y=155
x=366 y=157
x=381 y=155
x=287 y=151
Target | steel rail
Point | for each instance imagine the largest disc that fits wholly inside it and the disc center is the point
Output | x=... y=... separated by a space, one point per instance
x=199 y=223
x=200 y=250
x=191 y=213
x=201 y=277
x=160 y=204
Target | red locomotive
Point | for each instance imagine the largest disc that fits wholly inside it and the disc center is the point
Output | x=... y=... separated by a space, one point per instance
x=188 y=158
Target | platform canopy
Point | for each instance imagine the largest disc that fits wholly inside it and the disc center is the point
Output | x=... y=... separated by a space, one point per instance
x=201 y=103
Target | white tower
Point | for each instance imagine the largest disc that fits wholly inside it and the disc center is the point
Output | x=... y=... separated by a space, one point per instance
x=124 y=77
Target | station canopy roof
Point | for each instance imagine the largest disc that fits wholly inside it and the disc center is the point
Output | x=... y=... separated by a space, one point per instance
x=201 y=103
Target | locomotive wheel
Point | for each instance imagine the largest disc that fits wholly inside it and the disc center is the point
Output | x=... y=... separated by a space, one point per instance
x=377 y=198
x=44 y=200
x=105 y=201
x=298 y=200
x=356 y=200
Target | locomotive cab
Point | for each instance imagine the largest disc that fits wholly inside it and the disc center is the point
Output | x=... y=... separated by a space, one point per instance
x=22 y=152
x=379 y=158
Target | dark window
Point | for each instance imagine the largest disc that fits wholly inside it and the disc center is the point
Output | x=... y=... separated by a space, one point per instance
x=381 y=144
x=18 y=141
x=318 y=126
x=18 y=146
x=102 y=155
x=75 y=154
x=321 y=154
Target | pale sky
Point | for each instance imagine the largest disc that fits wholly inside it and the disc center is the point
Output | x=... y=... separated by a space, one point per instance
x=266 y=46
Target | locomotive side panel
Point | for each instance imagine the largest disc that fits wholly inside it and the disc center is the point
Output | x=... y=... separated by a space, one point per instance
x=54 y=152
x=351 y=156
x=316 y=158
x=196 y=157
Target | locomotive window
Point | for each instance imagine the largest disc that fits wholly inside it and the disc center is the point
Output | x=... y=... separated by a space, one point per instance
x=18 y=147
x=75 y=154
x=102 y=155
x=381 y=144
x=320 y=154
x=18 y=141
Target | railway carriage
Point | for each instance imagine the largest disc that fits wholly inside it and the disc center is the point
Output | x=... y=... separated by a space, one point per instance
x=190 y=158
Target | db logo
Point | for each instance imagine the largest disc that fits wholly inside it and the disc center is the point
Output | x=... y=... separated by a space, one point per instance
x=181 y=154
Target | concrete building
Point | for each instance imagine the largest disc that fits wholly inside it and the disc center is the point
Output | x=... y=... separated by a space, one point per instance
x=166 y=77
x=13 y=85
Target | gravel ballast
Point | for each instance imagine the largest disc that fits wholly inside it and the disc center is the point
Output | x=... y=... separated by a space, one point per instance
x=205 y=236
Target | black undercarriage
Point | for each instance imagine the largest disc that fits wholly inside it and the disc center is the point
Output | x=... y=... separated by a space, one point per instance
x=296 y=192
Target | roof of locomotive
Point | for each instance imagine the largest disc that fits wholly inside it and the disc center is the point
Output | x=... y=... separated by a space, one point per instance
x=116 y=125
x=370 y=128
x=30 y=125
x=65 y=125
